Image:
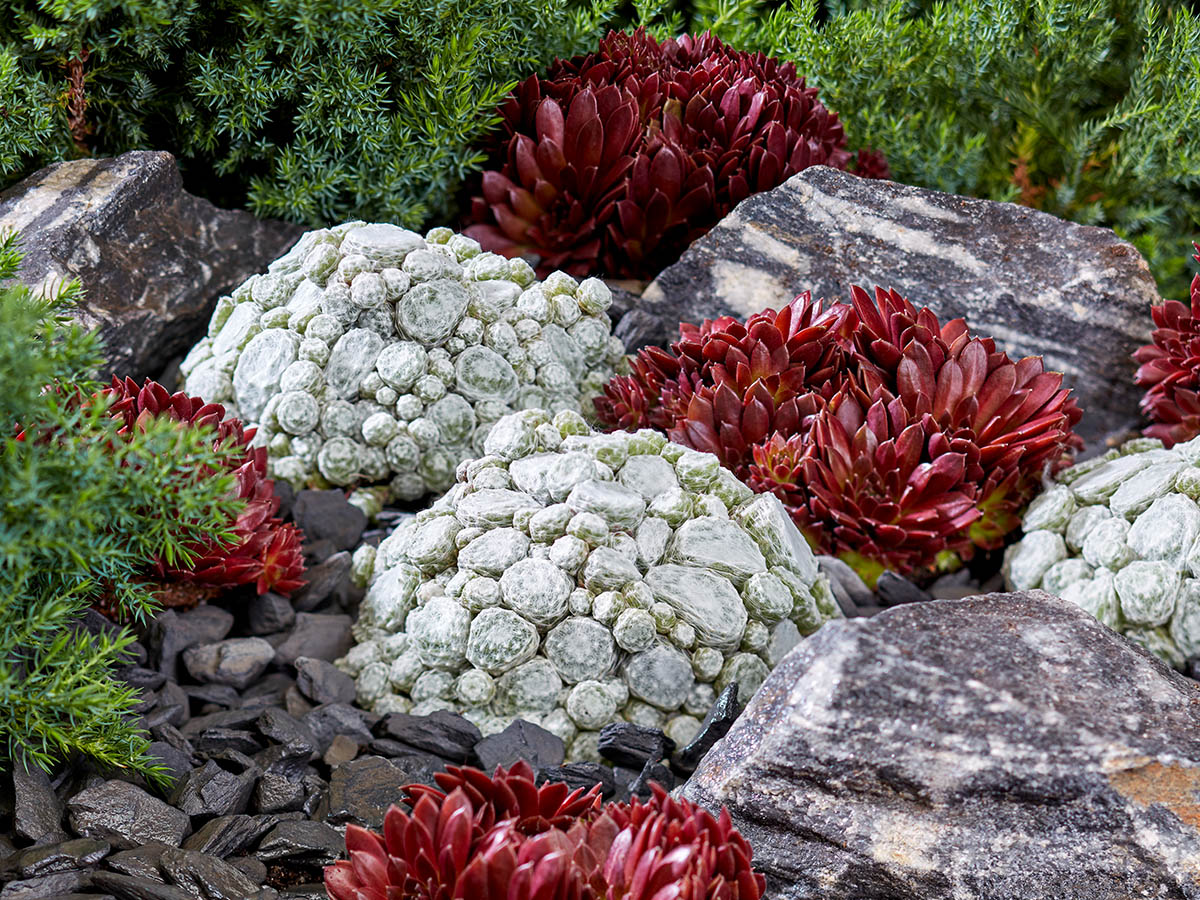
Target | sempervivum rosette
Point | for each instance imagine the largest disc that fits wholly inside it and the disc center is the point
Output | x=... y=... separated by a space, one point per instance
x=1170 y=369
x=894 y=441
x=266 y=552
x=615 y=161
x=504 y=838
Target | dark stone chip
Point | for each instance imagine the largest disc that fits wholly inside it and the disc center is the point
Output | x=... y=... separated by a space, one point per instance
x=441 y=733
x=316 y=792
x=419 y=768
x=202 y=875
x=289 y=761
x=388 y=747
x=212 y=739
x=315 y=843
x=341 y=751
x=268 y=613
x=143 y=679
x=221 y=695
x=894 y=590
x=46 y=859
x=316 y=552
x=306 y=891
x=37 y=810
x=226 y=718
x=626 y=744
x=252 y=868
x=322 y=682
x=520 y=740
x=720 y=718
x=131 y=887
x=361 y=791
x=317 y=635
x=580 y=775
x=227 y=835
x=212 y=791
x=178 y=764
x=276 y=793
x=322 y=580
x=653 y=772
x=168 y=715
x=326 y=515
x=171 y=633
x=53 y=886
x=337 y=718
x=141 y=862
x=125 y=816
x=269 y=691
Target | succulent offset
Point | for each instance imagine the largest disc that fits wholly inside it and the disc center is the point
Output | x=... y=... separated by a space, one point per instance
x=572 y=579
x=893 y=440
x=505 y=838
x=615 y=161
x=1170 y=369
x=1117 y=535
x=368 y=354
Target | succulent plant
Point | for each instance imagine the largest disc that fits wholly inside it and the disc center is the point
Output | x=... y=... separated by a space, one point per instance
x=893 y=441
x=1117 y=535
x=617 y=160
x=464 y=845
x=573 y=578
x=367 y=354
x=267 y=553
x=1170 y=369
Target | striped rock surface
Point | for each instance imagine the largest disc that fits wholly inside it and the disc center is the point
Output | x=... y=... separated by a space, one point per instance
x=152 y=258
x=1004 y=747
x=1077 y=295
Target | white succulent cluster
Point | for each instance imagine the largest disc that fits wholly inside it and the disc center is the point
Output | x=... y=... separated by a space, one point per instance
x=1119 y=535
x=572 y=578
x=368 y=353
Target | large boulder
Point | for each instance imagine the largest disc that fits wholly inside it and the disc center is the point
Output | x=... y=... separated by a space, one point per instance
x=152 y=258
x=1007 y=747
x=1075 y=294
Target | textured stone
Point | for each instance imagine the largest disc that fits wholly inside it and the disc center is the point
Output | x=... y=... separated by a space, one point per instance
x=235 y=662
x=37 y=810
x=1037 y=284
x=125 y=816
x=152 y=258
x=882 y=760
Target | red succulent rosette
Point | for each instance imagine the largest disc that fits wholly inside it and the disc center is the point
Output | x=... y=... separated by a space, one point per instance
x=615 y=161
x=894 y=441
x=504 y=838
x=1169 y=368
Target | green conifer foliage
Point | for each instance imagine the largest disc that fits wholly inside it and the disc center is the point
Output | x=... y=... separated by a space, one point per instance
x=82 y=512
x=315 y=111
x=1087 y=109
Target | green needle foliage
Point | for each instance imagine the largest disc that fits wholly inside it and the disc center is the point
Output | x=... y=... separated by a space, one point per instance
x=82 y=512
x=1087 y=109
x=310 y=110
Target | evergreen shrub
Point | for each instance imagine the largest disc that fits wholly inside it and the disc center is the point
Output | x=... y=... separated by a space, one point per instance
x=84 y=511
x=1087 y=109
x=314 y=111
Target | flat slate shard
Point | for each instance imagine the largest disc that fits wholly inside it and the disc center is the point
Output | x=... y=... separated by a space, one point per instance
x=1007 y=747
x=1039 y=285
x=152 y=258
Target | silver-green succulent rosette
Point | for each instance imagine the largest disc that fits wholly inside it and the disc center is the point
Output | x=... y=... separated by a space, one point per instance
x=368 y=354
x=573 y=579
x=1117 y=535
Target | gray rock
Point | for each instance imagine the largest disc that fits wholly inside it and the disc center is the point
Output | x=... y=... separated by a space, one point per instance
x=269 y=613
x=360 y=792
x=55 y=886
x=46 y=859
x=125 y=816
x=321 y=682
x=315 y=635
x=226 y=835
x=1039 y=285
x=205 y=876
x=132 y=887
x=235 y=662
x=299 y=841
x=37 y=810
x=211 y=791
x=881 y=759
x=152 y=258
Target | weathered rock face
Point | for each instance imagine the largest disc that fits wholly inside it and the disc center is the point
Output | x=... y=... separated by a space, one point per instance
x=152 y=258
x=1006 y=747
x=1077 y=295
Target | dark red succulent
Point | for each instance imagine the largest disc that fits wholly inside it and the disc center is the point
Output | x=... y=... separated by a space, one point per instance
x=267 y=551
x=894 y=441
x=1170 y=369
x=504 y=838
x=617 y=160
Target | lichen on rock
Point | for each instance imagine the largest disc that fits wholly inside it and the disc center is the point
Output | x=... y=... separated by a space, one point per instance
x=368 y=354
x=1117 y=535
x=572 y=578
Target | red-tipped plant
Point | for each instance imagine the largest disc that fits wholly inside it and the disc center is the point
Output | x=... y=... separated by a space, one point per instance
x=1170 y=369
x=615 y=161
x=267 y=551
x=894 y=441
x=504 y=838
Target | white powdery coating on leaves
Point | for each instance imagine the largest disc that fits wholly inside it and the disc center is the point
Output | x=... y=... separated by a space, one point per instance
x=552 y=584
x=425 y=342
x=1119 y=536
